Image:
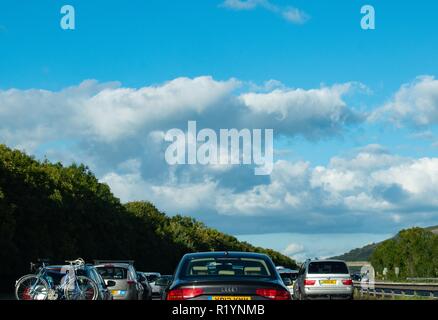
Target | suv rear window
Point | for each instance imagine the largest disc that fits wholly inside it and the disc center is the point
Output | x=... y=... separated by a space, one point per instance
x=223 y=267
x=116 y=273
x=332 y=267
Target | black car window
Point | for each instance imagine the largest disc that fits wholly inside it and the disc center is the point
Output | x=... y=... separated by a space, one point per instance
x=163 y=281
x=328 y=267
x=222 y=267
x=116 y=273
x=152 y=278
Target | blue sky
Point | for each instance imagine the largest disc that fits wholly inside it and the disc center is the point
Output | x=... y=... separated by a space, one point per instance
x=359 y=143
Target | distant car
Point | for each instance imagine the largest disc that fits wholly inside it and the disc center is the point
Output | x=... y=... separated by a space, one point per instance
x=288 y=276
x=323 y=279
x=147 y=289
x=356 y=277
x=126 y=286
x=152 y=276
x=226 y=276
x=160 y=285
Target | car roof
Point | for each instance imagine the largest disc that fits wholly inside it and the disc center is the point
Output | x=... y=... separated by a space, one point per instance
x=120 y=265
x=327 y=260
x=286 y=270
x=231 y=254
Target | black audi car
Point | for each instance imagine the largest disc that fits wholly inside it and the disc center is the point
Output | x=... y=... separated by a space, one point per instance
x=226 y=276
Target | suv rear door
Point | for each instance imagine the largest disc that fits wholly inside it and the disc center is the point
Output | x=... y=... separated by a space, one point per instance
x=328 y=274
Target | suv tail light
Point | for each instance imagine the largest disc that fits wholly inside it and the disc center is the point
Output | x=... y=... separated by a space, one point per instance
x=130 y=282
x=309 y=282
x=273 y=294
x=184 y=293
x=347 y=282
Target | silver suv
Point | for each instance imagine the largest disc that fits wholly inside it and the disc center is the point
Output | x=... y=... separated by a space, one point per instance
x=126 y=285
x=323 y=279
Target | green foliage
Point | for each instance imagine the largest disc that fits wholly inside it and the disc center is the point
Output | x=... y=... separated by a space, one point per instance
x=413 y=251
x=51 y=211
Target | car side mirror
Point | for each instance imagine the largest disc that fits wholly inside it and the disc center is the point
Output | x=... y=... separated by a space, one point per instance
x=110 y=283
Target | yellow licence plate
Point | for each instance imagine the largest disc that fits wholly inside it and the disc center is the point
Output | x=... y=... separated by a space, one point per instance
x=327 y=282
x=230 y=298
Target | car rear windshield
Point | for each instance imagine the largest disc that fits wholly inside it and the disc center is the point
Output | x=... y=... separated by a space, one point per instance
x=325 y=267
x=152 y=278
x=115 y=273
x=291 y=276
x=163 y=281
x=227 y=267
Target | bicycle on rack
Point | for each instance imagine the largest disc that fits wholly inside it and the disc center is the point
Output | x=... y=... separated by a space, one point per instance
x=72 y=285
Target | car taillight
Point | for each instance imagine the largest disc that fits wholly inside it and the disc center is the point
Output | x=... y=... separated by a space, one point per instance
x=130 y=282
x=309 y=282
x=347 y=282
x=273 y=294
x=184 y=293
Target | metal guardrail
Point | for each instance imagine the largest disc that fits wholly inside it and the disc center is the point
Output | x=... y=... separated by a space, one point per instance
x=394 y=289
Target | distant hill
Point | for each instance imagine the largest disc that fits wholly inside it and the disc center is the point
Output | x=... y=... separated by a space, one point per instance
x=413 y=252
x=364 y=253
x=433 y=229
x=358 y=254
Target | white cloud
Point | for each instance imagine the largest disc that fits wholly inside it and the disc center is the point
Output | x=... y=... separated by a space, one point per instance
x=295 y=15
x=289 y=13
x=298 y=110
x=122 y=111
x=368 y=183
x=414 y=104
x=119 y=132
x=243 y=4
x=172 y=196
x=109 y=113
x=293 y=248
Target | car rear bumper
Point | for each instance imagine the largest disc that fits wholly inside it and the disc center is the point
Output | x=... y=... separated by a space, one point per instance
x=130 y=295
x=330 y=292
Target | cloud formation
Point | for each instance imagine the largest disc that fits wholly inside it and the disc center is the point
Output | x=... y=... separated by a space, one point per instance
x=371 y=188
x=290 y=14
x=415 y=104
x=119 y=132
x=109 y=113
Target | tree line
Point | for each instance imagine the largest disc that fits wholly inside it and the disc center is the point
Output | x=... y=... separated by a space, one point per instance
x=58 y=212
x=413 y=251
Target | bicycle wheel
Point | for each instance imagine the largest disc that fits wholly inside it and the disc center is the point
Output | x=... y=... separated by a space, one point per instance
x=81 y=288
x=31 y=287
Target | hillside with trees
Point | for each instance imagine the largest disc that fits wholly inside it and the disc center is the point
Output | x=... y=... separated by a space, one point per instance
x=414 y=251
x=358 y=254
x=52 y=211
